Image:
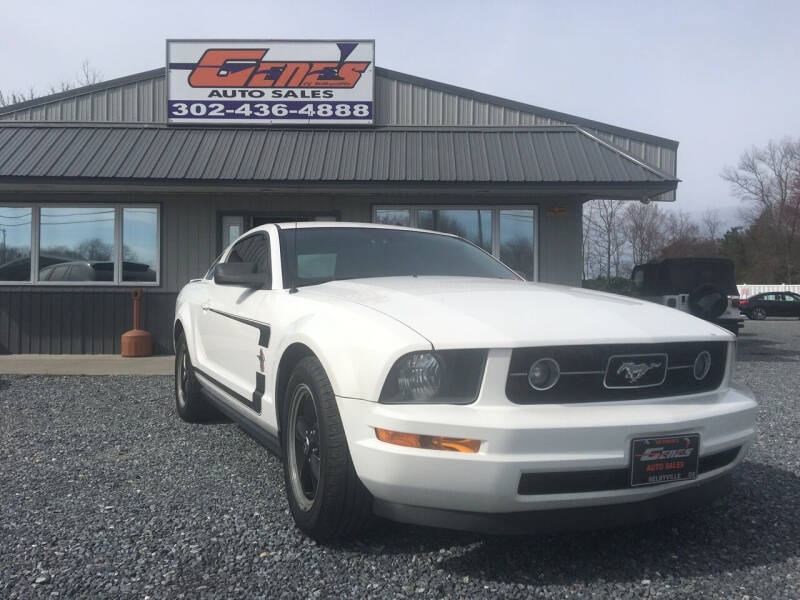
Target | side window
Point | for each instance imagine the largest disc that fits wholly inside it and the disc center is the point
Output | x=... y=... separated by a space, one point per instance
x=252 y=249
x=768 y=297
x=791 y=298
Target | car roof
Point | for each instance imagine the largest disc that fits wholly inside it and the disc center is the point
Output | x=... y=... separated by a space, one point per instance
x=344 y=225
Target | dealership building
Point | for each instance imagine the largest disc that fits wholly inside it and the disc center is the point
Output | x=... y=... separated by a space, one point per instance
x=141 y=181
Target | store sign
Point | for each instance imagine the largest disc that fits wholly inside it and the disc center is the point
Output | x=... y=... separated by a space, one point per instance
x=270 y=82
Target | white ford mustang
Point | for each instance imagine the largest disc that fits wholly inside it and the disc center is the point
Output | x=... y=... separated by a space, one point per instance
x=409 y=374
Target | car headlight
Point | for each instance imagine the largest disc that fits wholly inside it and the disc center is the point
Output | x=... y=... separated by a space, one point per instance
x=441 y=377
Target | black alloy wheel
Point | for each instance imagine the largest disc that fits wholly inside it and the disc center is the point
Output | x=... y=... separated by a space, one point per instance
x=190 y=403
x=325 y=495
x=759 y=314
x=304 y=453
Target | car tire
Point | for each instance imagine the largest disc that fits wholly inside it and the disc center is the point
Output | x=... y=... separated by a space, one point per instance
x=758 y=314
x=190 y=403
x=326 y=497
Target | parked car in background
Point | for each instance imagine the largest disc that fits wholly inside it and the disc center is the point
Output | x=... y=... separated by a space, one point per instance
x=81 y=270
x=410 y=374
x=771 y=304
x=704 y=287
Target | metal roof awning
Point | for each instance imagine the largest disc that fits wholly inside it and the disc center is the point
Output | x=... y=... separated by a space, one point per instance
x=562 y=157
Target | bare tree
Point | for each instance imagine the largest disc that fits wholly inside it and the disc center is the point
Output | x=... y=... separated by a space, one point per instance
x=605 y=227
x=711 y=223
x=769 y=180
x=87 y=75
x=643 y=227
x=589 y=241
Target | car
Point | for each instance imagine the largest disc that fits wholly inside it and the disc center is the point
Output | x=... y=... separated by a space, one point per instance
x=81 y=270
x=771 y=304
x=408 y=374
x=704 y=287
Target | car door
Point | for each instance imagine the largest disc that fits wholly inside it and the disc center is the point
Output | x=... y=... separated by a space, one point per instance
x=767 y=304
x=232 y=331
x=791 y=305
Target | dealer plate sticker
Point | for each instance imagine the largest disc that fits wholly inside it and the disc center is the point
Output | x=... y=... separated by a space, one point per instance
x=664 y=459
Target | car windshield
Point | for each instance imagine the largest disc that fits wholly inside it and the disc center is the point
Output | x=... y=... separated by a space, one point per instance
x=312 y=255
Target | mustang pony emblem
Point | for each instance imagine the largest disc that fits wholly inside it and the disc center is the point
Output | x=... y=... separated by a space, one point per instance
x=635 y=371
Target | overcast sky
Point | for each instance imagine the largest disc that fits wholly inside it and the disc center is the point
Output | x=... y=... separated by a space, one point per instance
x=716 y=76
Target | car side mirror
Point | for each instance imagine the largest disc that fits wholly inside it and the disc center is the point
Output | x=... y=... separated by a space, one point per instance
x=239 y=274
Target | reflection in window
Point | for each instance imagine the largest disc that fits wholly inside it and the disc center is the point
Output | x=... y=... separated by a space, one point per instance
x=139 y=244
x=81 y=236
x=517 y=240
x=252 y=249
x=15 y=243
x=232 y=228
x=472 y=225
x=388 y=216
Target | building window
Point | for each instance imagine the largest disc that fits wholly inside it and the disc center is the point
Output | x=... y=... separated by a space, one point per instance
x=507 y=232
x=139 y=244
x=474 y=225
x=517 y=239
x=389 y=216
x=83 y=245
x=15 y=251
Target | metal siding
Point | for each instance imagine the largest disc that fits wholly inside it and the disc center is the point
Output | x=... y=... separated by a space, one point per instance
x=28 y=147
x=366 y=149
x=559 y=243
x=152 y=158
x=430 y=158
x=330 y=168
x=126 y=147
x=348 y=160
x=397 y=160
x=76 y=321
x=534 y=155
x=43 y=146
x=184 y=159
x=252 y=155
x=53 y=154
x=397 y=103
x=233 y=160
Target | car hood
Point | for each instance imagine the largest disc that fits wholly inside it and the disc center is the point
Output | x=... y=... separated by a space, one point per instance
x=464 y=312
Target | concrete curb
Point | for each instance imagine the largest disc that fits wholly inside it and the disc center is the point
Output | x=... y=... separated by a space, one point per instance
x=84 y=364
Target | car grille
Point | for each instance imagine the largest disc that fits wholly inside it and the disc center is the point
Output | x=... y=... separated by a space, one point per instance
x=584 y=379
x=602 y=480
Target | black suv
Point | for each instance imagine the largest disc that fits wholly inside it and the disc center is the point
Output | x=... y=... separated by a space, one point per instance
x=704 y=287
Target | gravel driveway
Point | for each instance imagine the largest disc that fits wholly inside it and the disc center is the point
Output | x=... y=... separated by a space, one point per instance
x=105 y=493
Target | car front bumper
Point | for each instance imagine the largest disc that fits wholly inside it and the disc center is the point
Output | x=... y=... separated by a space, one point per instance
x=566 y=440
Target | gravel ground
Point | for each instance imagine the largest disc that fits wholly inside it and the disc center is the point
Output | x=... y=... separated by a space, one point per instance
x=105 y=493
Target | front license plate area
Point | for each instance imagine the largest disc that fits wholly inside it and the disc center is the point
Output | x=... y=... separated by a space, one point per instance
x=664 y=459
